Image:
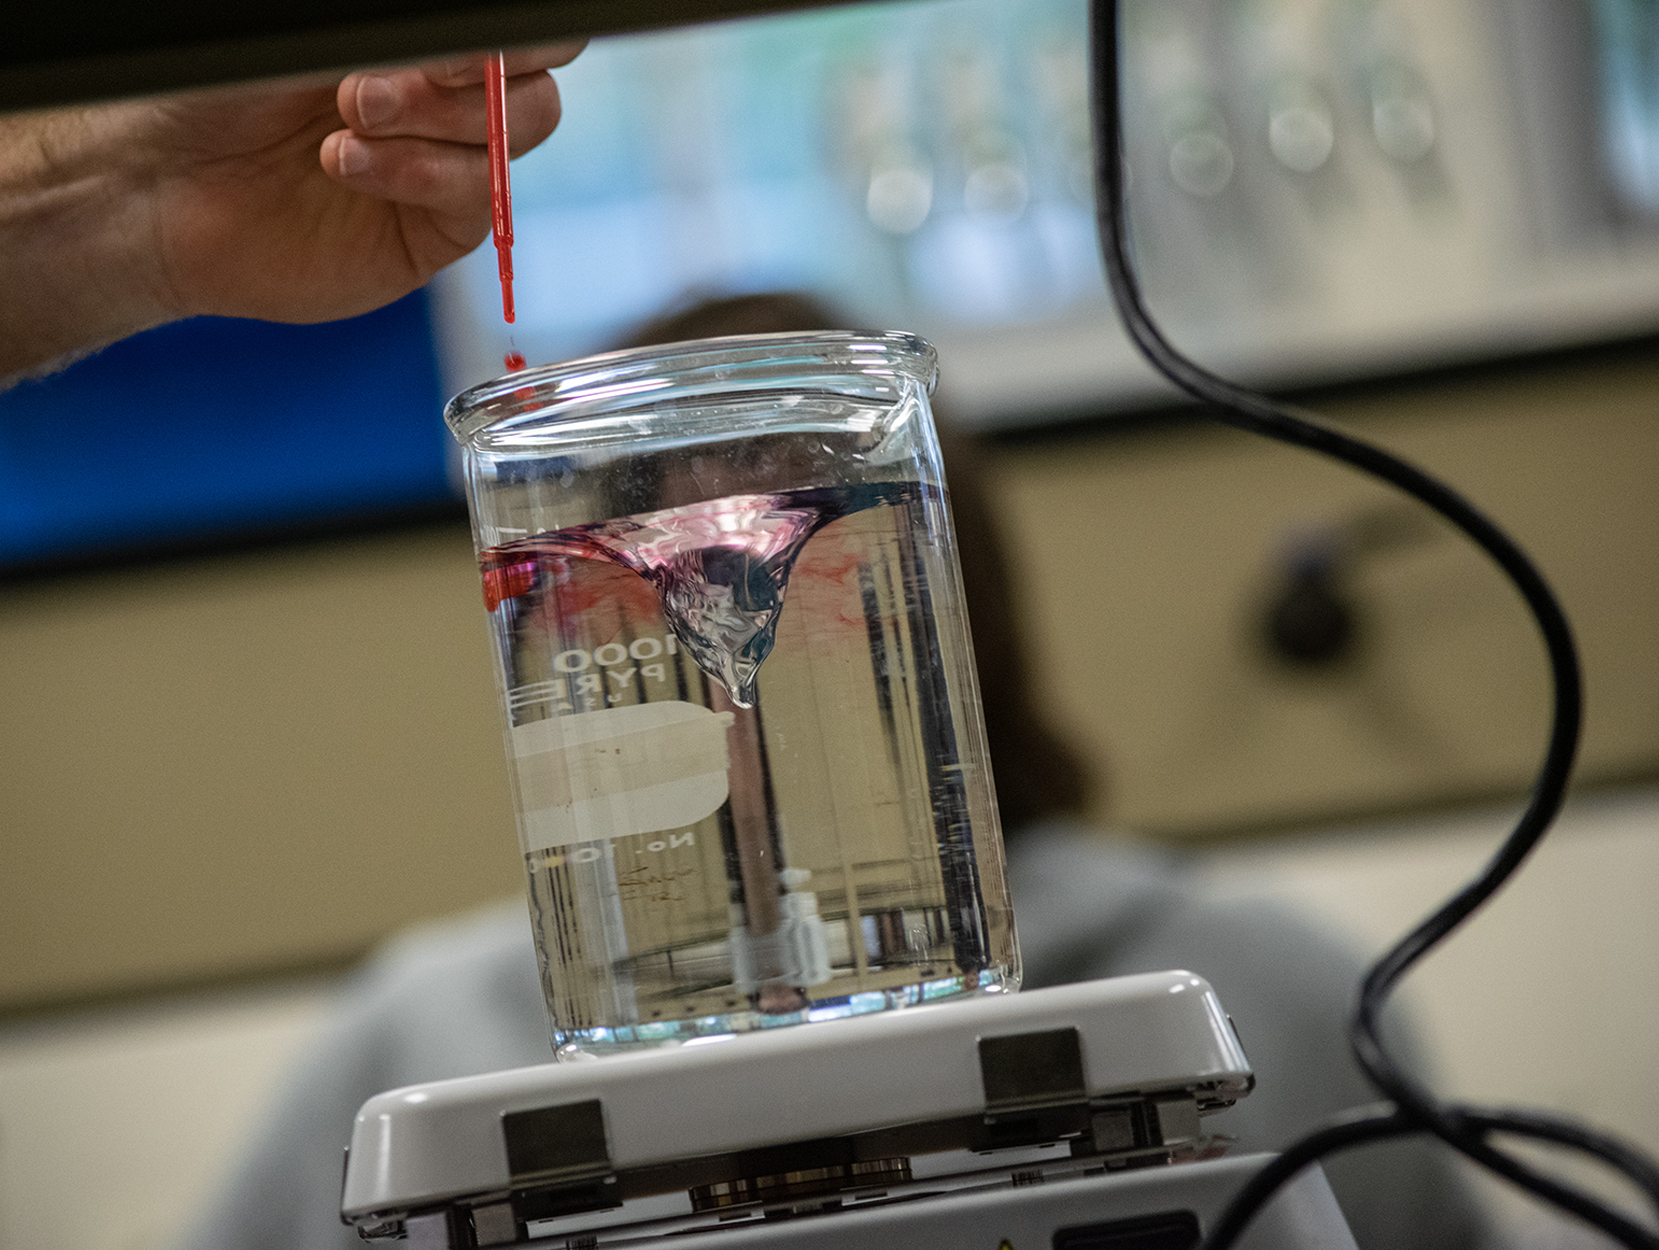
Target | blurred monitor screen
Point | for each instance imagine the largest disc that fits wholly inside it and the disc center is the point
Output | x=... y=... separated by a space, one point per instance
x=913 y=164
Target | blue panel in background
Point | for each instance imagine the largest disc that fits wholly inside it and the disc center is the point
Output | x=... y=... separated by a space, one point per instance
x=213 y=428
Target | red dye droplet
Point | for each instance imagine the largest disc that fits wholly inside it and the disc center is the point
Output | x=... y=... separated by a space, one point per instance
x=514 y=361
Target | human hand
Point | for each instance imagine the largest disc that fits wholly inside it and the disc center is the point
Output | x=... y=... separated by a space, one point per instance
x=296 y=201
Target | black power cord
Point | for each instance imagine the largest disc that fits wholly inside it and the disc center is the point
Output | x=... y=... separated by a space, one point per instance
x=1412 y=1108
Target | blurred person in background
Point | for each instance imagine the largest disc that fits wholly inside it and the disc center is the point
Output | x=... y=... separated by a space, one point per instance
x=463 y=996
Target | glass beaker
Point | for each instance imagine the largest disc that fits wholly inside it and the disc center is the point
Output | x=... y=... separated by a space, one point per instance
x=745 y=738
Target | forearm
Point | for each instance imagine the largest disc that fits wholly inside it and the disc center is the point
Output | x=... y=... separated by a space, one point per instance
x=77 y=239
x=240 y=201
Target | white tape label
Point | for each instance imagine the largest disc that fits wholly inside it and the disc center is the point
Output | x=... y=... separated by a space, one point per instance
x=609 y=773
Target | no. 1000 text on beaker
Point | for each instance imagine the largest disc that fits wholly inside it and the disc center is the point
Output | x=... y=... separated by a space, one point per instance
x=746 y=743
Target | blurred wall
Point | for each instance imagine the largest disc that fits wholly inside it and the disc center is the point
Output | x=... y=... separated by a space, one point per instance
x=230 y=765
x=237 y=764
x=153 y=1099
x=1149 y=559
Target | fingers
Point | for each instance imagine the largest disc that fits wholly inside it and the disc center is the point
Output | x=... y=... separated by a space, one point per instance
x=417 y=136
x=450 y=180
x=408 y=104
x=468 y=70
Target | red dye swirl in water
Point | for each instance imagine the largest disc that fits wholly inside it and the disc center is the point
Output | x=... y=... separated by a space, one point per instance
x=720 y=568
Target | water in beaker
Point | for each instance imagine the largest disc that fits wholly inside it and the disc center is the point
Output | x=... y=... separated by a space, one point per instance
x=745 y=738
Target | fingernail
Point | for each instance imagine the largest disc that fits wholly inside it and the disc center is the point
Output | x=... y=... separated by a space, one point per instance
x=377 y=101
x=353 y=156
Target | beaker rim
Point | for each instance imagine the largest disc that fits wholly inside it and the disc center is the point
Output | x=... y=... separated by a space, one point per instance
x=842 y=361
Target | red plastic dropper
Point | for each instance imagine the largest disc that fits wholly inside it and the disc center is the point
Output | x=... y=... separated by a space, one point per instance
x=501 y=187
